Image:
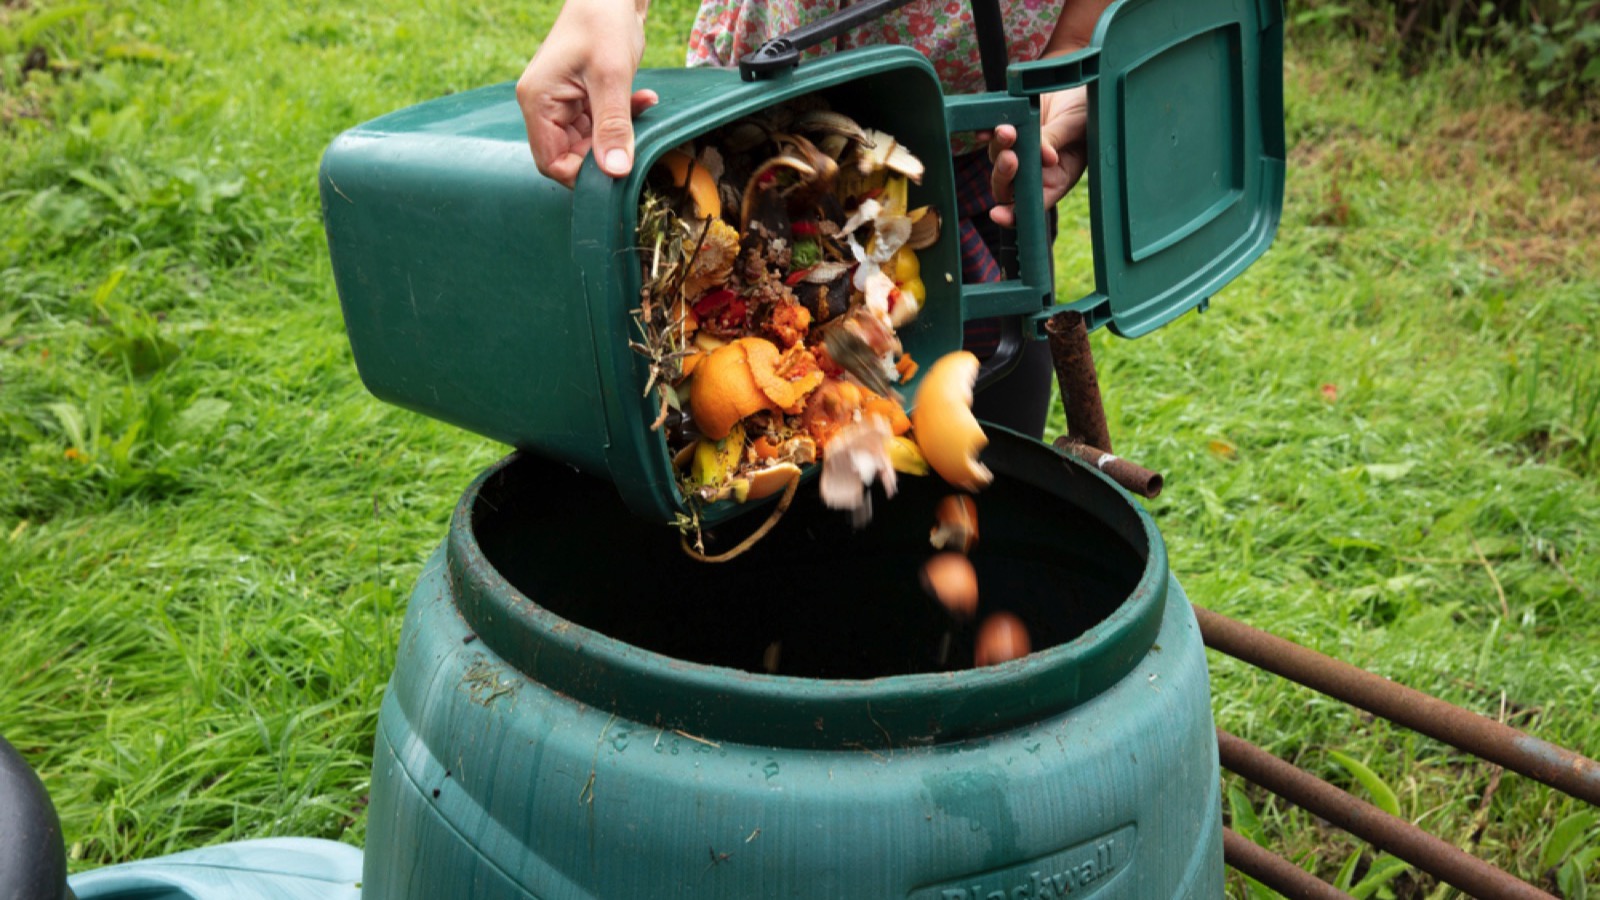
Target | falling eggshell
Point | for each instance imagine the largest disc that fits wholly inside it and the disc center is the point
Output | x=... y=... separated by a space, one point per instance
x=942 y=420
x=1001 y=638
x=950 y=579
x=957 y=524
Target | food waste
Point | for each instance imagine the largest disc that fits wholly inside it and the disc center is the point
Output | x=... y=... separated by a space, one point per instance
x=779 y=259
x=949 y=577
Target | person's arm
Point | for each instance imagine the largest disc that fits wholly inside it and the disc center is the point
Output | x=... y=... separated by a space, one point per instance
x=575 y=94
x=1063 y=120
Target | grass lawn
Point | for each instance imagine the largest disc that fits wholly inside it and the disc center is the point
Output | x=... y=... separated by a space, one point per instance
x=1383 y=441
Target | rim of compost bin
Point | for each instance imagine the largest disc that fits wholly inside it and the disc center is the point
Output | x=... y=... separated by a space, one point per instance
x=718 y=703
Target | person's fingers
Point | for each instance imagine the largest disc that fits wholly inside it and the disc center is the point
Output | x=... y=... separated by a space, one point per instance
x=1002 y=183
x=1003 y=138
x=550 y=111
x=642 y=100
x=1064 y=117
x=611 y=107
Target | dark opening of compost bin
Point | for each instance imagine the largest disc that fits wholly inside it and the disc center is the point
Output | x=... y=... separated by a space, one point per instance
x=840 y=603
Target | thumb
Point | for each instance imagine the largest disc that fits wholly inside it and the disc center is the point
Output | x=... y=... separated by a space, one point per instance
x=610 y=111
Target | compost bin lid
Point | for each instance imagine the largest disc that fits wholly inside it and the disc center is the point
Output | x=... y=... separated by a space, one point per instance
x=1185 y=150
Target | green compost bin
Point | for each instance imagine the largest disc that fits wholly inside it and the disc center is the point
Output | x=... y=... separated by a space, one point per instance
x=480 y=293
x=580 y=711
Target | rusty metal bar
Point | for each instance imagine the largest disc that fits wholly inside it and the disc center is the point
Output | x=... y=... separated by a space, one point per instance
x=1132 y=476
x=1080 y=387
x=1274 y=871
x=1560 y=768
x=1395 y=835
x=1087 y=436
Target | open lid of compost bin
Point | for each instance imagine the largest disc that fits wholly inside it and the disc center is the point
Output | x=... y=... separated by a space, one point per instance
x=1185 y=150
x=1185 y=143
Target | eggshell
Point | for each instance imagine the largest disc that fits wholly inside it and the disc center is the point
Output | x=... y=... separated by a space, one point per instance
x=957 y=527
x=950 y=579
x=1001 y=638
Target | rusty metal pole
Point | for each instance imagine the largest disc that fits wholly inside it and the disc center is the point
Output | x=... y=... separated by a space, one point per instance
x=1132 y=476
x=1080 y=386
x=1395 y=835
x=1088 y=438
x=1560 y=768
x=1274 y=871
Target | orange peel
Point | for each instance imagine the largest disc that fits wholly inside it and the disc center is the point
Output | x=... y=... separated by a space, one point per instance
x=691 y=362
x=946 y=429
x=891 y=412
x=723 y=391
x=702 y=187
x=906 y=366
x=765 y=361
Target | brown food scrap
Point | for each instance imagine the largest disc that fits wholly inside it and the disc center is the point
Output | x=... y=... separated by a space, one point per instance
x=713 y=263
x=829 y=408
x=950 y=579
x=787 y=323
x=907 y=367
x=1001 y=638
x=957 y=527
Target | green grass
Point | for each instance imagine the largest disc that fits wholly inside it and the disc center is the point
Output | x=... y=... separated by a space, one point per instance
x=208 y=529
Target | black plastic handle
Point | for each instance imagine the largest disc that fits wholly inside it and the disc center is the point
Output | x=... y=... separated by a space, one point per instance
x=783 y=51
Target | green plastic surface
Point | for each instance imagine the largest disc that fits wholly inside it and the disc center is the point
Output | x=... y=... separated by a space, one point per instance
x=262 y=869
x=1186 y=150
x=525 y=749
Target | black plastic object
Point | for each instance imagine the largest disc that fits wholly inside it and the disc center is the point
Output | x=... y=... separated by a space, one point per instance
x=783 y=51
x=33 y=859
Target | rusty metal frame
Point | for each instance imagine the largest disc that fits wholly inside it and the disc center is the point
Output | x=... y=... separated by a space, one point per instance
x=1571 y=773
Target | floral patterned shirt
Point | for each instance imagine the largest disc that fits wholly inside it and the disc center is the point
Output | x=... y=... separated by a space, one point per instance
x=941 y=30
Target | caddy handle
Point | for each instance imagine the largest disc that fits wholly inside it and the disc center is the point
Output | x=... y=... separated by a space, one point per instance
x=1015 y=300
x=783 y=51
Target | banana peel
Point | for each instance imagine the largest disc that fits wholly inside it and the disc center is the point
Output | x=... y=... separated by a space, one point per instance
x=906 y=456
x=715 y=462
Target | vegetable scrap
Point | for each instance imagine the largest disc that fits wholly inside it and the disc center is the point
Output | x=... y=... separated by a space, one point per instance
x=779 y=261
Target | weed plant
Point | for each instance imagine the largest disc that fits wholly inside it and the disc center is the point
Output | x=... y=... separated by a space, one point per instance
x=1383 y=441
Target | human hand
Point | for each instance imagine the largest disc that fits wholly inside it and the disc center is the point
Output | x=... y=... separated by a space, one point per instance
x=575 y=93
x=1063 y=122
